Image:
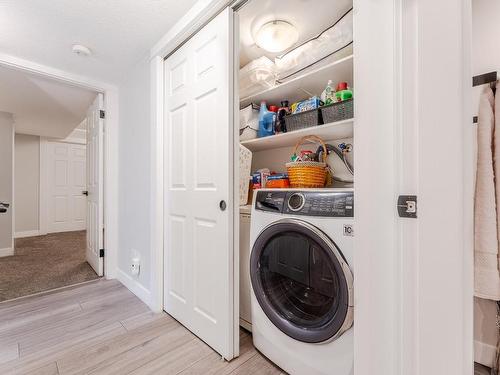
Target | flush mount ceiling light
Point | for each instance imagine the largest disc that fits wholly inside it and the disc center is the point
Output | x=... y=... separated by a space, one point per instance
x=81 y=50
x=276 y=36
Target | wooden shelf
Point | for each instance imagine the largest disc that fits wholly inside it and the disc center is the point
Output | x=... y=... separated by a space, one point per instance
x=313 y=82
x=332 y=131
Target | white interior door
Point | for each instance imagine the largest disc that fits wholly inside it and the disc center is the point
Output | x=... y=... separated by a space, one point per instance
x=95 y=227
x=198 y=284
x=66 y=185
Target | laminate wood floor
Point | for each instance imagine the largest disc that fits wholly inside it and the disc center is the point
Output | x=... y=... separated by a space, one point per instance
x=481 y=370
x=102 y=328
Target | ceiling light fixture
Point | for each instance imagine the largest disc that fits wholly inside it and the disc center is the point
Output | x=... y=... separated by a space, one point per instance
x=276 y=36
x=81 y=50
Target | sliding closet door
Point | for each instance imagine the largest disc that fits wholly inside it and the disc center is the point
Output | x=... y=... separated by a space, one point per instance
x=197 y=163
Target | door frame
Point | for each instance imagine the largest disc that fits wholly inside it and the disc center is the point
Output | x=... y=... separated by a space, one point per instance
x=110 y=155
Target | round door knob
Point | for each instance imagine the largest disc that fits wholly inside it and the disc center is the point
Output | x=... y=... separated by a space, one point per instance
x=222 y=205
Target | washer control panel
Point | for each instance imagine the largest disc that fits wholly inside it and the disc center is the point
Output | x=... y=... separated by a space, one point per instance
x=270 y=201
x=307 y=203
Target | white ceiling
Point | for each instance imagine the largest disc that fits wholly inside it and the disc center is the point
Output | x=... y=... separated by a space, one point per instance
x=119 y=32
x=42 y=106
x=310 y=17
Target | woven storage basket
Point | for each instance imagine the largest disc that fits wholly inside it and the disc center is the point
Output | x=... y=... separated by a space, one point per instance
x=308 y=174
x=303 y=120
x=338 y=111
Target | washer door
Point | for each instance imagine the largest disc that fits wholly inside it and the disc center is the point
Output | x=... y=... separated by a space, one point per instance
x=302 y=281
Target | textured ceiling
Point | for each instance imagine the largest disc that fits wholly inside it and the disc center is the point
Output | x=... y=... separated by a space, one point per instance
x=119 y=32
x=41 y=106
x=310 y=17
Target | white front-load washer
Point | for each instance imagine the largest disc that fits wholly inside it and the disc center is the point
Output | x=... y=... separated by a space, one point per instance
x=302 y=281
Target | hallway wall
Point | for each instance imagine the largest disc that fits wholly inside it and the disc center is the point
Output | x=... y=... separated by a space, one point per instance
x=27 y=184
x=134 y=177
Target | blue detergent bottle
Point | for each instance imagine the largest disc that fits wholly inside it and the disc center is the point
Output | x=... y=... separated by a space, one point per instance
x=266 y=121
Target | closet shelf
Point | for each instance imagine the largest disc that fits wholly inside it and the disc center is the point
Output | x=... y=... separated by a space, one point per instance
x=313 y=81
x=332 y=131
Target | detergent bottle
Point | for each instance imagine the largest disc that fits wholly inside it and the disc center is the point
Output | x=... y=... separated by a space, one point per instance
x=343 y=92
x=266 y=121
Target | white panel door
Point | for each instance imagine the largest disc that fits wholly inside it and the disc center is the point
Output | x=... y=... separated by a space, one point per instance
x=66 y=186
x=197 y=153
x=95 y=234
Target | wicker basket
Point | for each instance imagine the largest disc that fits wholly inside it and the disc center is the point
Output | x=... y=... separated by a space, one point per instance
x=303 y=120
x=338 y=111
x=308 y=174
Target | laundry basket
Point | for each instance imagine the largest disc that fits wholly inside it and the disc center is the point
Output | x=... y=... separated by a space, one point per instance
x=308 y=174
x=245 y=168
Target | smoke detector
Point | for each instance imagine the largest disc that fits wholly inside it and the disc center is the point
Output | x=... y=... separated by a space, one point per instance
x=81 y=50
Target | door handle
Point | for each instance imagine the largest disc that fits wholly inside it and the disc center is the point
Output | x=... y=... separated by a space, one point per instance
x=85 y=192
x=222 y=205
x=4 y=207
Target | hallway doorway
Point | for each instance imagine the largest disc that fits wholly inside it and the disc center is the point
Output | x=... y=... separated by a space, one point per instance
x=54 y=175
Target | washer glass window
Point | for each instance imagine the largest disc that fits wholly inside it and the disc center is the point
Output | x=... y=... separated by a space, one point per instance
x=299 y=282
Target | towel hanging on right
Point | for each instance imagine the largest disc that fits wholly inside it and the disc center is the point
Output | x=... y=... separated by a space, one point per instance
x=487 y=199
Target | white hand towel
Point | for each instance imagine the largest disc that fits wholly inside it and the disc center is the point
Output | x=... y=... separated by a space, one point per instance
x=486 y=217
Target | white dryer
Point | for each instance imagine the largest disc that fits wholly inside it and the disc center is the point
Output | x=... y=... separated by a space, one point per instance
x=302 y=282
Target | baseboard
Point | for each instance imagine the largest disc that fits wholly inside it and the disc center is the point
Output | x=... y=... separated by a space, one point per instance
x=27 y=233
x=246 y=325
x=135 y=287
x=484 y=353
x=8 y=251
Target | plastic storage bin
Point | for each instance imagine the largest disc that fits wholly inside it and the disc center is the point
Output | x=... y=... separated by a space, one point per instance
x=249 y=123
x=331 y=43
x=256 y=76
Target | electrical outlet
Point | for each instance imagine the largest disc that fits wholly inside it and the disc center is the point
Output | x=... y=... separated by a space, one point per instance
x=135 y=263
x=135 y=267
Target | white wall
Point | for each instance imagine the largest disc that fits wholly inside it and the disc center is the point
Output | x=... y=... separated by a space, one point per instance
x=6 y=177
x=134 y=160
x=485 y=58
x=26 y=184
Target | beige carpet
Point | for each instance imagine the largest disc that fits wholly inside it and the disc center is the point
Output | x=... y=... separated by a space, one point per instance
x=44 y=262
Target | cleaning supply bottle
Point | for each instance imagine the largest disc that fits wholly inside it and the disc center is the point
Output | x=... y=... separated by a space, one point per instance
x=266 y=121
x=280 y=126
x=329 y=94
x=343 y=92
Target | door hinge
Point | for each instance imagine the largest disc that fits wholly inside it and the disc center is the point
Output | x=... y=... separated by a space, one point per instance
x=101 y=253
x=407 y=206
x=102 y=114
